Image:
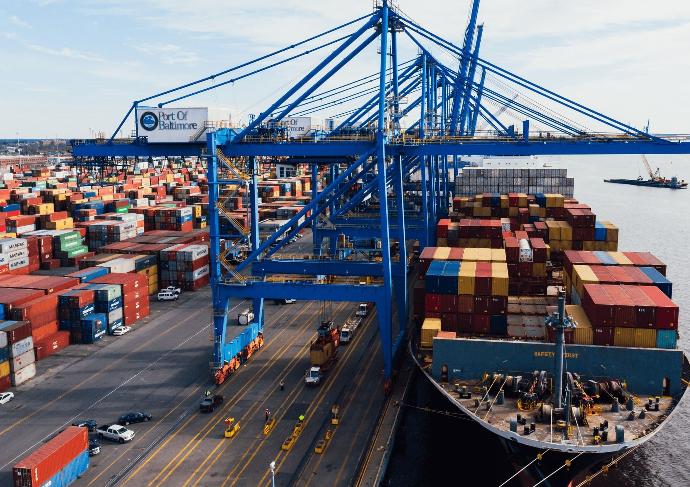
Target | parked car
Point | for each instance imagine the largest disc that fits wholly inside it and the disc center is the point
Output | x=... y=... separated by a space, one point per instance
x=172 y=289
x=121 y=330
x=6 y=397
x=167 y=296
x=209 y=404
x=115 y=432
x=90 y=424
x=94 y=447
x=136 y=417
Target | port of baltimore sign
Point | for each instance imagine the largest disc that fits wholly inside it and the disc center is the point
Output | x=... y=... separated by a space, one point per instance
x=172 y=124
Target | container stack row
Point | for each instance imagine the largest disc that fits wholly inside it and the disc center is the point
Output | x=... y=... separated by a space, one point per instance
x=186 y=266
x=475 y=180
x=468 y=297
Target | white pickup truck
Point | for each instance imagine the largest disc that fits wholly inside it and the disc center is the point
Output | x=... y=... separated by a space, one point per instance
x=115 y=432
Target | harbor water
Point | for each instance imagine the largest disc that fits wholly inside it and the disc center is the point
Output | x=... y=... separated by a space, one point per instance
x=440 y=448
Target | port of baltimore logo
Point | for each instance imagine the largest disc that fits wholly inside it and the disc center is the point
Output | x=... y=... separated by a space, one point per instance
x=148 y=121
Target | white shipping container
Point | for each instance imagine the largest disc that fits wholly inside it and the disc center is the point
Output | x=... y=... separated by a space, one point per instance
x=194 y=252
x=200 y=272
x=22 y=375
x=9 y=244
x=22 y=346
x=525 y=250
x=120 y=265
x=23 y=360
x=19 y=263
x=115 y=315
x=3 y=339
x=4 y=259
x=26 y=229
x=18 y=254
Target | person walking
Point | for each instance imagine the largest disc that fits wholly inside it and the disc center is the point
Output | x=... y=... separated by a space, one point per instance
x=268 y=414
x=282 y=384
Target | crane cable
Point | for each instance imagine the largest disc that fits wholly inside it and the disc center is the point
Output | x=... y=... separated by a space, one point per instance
x=565 y=464
x=538 y=457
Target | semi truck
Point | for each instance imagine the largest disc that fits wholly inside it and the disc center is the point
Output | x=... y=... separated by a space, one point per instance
x=322 y=353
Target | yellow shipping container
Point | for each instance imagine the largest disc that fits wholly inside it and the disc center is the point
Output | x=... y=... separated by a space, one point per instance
x=522 y=200
x=533 y=210
x=588 y=245
x=611 y=246
x=196 y=210
x=611 y=231
x=601 y=246
x=583 y=333
x=441 y=242
x=4 y=369
x=566 y=245
x=624 y=337
x=470 y=254
x=645 y=338
x=498 y=255
x=513 y=211
x=554 y=230
x=539 y=269
x=484 y=254
x=466 y=277
x=620 y=258
x=482 y=211
x=583 y=274
x=566 y=231
x=499 y=279
x=442 y=253
x=505 y=202
x=430 y=329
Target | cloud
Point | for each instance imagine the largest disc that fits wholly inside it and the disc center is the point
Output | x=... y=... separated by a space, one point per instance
x=19 y=22
x=8 y=35
x=67 y=53
x=169 y=53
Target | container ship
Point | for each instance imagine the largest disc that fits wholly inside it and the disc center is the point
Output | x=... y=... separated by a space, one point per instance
x=534 y=325
x=656 y=180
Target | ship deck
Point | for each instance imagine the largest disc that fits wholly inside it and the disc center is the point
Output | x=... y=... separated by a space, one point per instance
x=580 y=435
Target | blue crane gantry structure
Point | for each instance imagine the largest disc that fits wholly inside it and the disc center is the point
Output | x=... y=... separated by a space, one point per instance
x=382 y=139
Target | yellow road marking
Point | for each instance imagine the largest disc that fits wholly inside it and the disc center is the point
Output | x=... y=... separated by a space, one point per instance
x=171 y=437
x=312 y=407
x=210 y=427
x=256 y=407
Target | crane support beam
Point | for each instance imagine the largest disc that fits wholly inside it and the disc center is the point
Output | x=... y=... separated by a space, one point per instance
x=321 y=267
x=298 y=290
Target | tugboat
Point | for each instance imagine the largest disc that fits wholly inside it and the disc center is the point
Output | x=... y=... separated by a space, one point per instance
x=655 y=179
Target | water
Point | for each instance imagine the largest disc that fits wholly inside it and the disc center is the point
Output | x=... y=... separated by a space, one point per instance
x=433 y=449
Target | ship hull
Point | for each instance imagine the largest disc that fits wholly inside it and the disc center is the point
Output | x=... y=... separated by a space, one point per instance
x=523 y=450
x=645 y=183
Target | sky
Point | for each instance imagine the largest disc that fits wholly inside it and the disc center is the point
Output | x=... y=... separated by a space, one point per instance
x=71 y=68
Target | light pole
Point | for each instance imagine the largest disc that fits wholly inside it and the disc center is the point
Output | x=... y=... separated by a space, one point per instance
x=273 y=473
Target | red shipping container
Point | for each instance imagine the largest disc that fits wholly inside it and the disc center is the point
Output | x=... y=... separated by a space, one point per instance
x=464 y=322
x=448 y=304
x=624 y=306
x=432 y=315
x=603 y=335
x=465 y=304
x=37 y=311
x=449 y=322
x=498 y=305
x=129 y=282
x=645 y=311
x=51 y=344
x=12 y=297
x=666 y=310
x=42 y=465
x=599 y=306
x=5 y=383
x=40 y=332
x=482 y=305
x=481 y=324
x=432 y=302
x=17 y=332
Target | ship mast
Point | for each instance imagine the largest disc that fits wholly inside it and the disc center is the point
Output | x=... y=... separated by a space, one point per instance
x=559 y=322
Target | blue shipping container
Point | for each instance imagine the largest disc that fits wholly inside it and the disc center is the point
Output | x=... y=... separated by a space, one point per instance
x=108 y=306
x=4 y=354
x=605 y=258
x=448 y=280
x=433 y=274
x=91 y=273
x=93 y=327
x=2 y=311
x=499 y=325
x=659 y=280
x=72 y=471
x=599 y=232
x=114 y=324
x=666 y=339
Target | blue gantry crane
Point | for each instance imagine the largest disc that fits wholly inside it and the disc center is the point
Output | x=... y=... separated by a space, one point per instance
x=400 y=133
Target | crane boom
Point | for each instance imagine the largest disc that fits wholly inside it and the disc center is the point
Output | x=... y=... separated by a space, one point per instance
x=652 y=175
